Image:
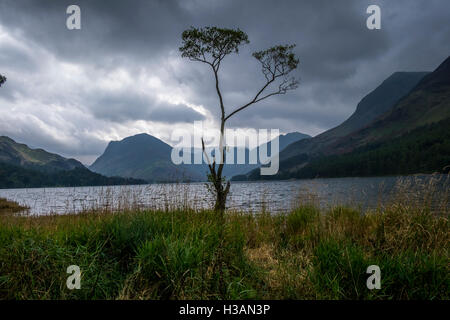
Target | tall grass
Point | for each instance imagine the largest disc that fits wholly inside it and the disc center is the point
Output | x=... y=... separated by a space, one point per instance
x=306 y=253
x=9 y=207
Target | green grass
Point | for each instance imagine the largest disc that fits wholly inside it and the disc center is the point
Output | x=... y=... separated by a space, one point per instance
x=187 y=254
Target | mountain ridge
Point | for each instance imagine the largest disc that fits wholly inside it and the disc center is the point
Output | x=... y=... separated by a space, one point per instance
x=427 y=102
x=125 y=158
x=24 y=167
x=394 y=87
x=20 y=154
x=141 y=156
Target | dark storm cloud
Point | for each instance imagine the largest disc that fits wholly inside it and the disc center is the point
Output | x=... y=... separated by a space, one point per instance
x=70 y=91
x=123 y=107
x=119 y=28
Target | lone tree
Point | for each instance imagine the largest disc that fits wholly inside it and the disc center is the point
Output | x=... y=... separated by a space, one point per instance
x=2 y=80
x=210 y=45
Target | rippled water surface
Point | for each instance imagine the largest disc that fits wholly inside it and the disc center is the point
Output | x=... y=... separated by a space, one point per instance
x=274 y=196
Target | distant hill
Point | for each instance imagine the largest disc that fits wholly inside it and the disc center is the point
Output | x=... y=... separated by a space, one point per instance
x=23 y=167
x=21 y=155
x=145 y=157
x=12 y=176
x=417 y=118
x=288 y=138
x=142 y=156
x=230 y=170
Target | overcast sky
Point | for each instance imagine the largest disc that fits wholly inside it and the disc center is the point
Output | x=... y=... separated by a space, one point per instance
x=72 y=91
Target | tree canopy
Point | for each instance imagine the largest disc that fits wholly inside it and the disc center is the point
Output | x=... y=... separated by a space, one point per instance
x=211 y=45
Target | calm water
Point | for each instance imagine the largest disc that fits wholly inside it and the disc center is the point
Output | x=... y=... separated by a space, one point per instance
x=274 y=196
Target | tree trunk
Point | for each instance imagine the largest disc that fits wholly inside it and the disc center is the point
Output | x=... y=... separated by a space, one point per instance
x=221 y=195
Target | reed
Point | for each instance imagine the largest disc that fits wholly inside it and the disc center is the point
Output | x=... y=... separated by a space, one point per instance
x=171 y=253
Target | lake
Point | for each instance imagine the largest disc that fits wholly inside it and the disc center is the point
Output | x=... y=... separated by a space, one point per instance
x=273 y=196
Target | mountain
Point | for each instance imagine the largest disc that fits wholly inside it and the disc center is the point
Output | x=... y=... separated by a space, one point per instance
x=230 y=170
x=23 y=167
x=412 y=120
x=12 y=176
x=372 y=106
x=378 y=102
x=428 y=102
x=145 y=157
x=21 y=155
x=425 y=149
x=286 y=139
x=141 y=156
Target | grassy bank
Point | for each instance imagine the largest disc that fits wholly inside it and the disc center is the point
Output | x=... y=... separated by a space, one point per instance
x=306 y=253
x=186 y=254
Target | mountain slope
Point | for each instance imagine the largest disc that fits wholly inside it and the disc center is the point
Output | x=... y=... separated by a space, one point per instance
x=428 y=103
x=423 y=150
x=288 y=138
x=145 y=157
x=375 y=104
x=284 y=140
x=141 y=157
x=378 y=102
x=230 y=170
x=21 y=155
x=12 y=176
x=23 y=167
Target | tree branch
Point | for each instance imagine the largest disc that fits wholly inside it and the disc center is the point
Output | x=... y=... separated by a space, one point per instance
x=275 y=62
